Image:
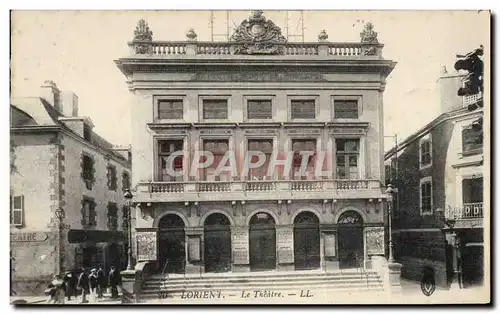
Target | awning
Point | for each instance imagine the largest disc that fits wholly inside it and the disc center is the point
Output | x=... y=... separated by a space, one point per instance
x=95 y=236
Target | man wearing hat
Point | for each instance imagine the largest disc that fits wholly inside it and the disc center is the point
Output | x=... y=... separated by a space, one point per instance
x=83 y=285
x=93 y=285
x=114 y=281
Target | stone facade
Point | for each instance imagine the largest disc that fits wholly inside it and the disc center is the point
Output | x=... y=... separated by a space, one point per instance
x=46 y=184
x=451 y=163
x=264 y=217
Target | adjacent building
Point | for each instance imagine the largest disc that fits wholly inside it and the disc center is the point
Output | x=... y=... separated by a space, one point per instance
x=67 y=183
x=440 y=168
x=257 y=92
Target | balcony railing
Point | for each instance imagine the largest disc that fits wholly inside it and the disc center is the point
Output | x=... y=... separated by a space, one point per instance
x=258 y=186
x=169 y=48
x=465 y=211
x=470 y=99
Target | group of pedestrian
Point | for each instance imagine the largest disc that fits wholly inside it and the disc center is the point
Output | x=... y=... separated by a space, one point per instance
x=92 y=284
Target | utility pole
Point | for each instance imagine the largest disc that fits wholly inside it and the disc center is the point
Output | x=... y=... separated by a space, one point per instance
x=300 y=24
x=211 y=25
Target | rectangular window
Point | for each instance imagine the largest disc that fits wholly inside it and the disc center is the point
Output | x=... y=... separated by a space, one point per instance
x=345 y=109
x=472 y=190
x=165 y=149
x=303 y=145
x=347 y=158
x=215 y=109
x=170 y=109
x=112 y=216
x=472 y=140
x=17 y=211
x=259 y=109
x=260 y=145
x=88 y=170
x=218 y=148
x=125 y=181
x=426 y=197
x=89 y=215
x=303 y=108
x=425 y=153
x=112 y=178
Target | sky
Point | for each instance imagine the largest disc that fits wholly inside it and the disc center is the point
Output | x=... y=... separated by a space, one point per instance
x=77 y=49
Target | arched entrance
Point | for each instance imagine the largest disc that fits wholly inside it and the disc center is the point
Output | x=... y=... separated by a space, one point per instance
x=217 y=234
x=306 y=241
x=350 y=237
x=171 y=244
x=262 y=242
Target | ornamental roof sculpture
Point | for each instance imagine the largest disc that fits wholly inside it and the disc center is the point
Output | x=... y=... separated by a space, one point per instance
x=142 y=31
x=368 y=35
x=256 y=35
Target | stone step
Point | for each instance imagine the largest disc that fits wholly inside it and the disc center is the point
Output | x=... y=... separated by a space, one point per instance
x=263 y=274
x=192 y=285
x=274 y=278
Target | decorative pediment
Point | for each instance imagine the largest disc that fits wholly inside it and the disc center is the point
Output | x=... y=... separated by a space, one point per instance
x=256 y=35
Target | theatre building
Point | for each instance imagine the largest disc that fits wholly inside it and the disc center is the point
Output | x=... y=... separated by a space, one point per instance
x=257 y=92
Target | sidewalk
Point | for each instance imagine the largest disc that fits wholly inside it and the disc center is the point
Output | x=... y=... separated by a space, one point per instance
x=18 y=300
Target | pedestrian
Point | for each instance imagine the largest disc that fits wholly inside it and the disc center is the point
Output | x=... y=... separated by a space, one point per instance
x=101 y=282
x=83 y=285
x=69 y=281
x=93 y=285
x=56 y=291
x=114 y=281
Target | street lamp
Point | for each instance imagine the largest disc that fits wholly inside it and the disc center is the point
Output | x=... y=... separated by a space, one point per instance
x=390 y=191
x=128 y=196
x=447 y=227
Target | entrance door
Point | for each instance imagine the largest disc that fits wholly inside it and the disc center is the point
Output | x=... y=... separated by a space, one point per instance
x=262 y=242
x=217 y=234
x=350 y=237
x=306 y=241
x=171 y=244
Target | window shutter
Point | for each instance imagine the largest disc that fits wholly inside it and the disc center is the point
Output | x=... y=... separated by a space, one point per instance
x=18 y=210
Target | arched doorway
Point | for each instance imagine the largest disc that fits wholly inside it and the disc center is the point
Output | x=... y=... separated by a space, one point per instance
x=171 y=244
x=306 y=241
x=217 y=234
x=350 y=237
x=262 y=242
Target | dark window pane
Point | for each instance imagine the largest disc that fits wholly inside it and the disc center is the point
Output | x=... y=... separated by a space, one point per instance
x=303 y=109
x=259 y=109
x=215 y=109
x=170 y=109
x=346 y=109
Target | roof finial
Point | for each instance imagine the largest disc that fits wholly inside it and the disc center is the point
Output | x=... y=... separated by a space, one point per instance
x=368 y=35
x=191 y=35
x=142 y=31
x=444 y=70
x=323 y=36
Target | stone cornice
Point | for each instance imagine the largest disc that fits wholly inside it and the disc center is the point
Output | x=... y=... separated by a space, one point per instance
x=215 y=125
x=353 y=124
x=326 y=64
x=259 y=125
x=314 y=124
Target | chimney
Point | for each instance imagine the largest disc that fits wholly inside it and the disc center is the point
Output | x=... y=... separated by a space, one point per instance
x=448 y=85
x=69 y=104
x=51 y=94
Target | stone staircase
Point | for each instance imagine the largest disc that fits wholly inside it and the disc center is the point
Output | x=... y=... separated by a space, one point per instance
x=191 y=286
